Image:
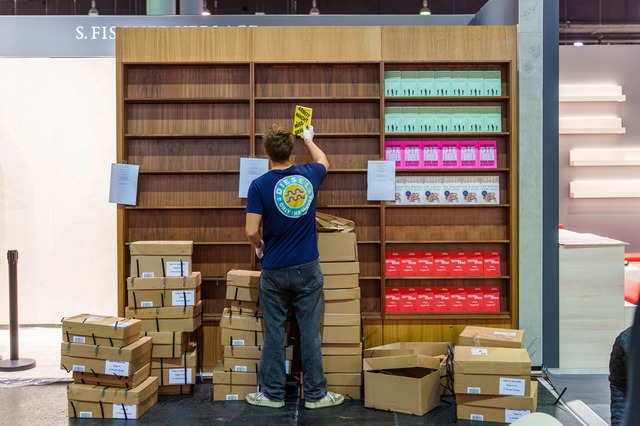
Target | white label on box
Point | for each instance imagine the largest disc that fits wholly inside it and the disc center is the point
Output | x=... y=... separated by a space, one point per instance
x=121 y=324
x=232 y=397
x=176 y=375
x=287 y=366
x=119 y=411
x=511 y=416
x=474 y=390
x=85 y=414
x=504 y=334
x=510 y=386
x=78 y=368
x=476 y=417
x=237 y=343
x=118 y=368
x=78 y=339
x=240 y=368
x=177 y=269
x=146 y=304
x=479 y=351
x=148 y=275
x=93 y=319
x=178 y=298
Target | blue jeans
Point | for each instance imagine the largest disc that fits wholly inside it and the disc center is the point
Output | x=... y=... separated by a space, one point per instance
x=301 y=286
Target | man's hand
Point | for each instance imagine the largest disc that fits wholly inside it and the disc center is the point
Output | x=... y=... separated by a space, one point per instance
x=307 y=132
x=260 y=250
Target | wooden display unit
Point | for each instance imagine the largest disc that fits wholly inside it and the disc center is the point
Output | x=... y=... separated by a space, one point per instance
x=187 y=114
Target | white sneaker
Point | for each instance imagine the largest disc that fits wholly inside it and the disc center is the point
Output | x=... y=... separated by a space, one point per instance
x=331 y=399
x=258 y=398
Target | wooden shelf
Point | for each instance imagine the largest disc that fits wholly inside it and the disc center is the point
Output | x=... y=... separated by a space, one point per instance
x=445 y=99
x=467 y=135
x=481 y=278
x=445 y=206
x=310 y=100
x=439 y=242
x=185 y=207
x=188 y=172
x=187 y=136
x=187 y=100
x=451 y=315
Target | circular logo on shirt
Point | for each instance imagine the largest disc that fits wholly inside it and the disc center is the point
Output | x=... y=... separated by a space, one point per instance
x=293 y=195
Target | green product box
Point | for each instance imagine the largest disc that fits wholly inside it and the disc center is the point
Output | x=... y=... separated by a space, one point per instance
x=459 y=119
x=392 y=83
x=409 y=83
x=392 y=120
x=459 y=83
x=493 y=83
x=409 y=119
x=493 y=119
x=475 y=119
x=442 y=83
x=425 y=119
x=475 y=83
x=426 y=83
x=441 y=119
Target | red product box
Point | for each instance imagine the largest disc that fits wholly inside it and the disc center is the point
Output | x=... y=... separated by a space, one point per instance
x=408 y=264
x=491 y=263
x=475 y=299
x=442 y=297
x=442 y=262
x=491 y=299
x=393 y=299
x=475 y=263
x=426 y=301
x=409 y=297
x=458 y=264
x=458 y=299
x=392 y=264
x=426 y=266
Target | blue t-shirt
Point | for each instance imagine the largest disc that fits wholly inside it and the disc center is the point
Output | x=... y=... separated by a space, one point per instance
x=286 y=199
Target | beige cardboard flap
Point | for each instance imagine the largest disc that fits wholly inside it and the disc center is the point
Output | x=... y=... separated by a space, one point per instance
x=408 y=348
x=400 y=362
x=330 y=223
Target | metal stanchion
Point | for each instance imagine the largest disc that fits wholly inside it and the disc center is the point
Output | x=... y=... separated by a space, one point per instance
x=15 y=363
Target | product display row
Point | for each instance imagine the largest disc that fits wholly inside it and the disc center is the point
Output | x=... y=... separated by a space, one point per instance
x=443 y=83
x=471 y=190
x=443 y=119
x=442 y=263
x=442 y=299
x=442 y=154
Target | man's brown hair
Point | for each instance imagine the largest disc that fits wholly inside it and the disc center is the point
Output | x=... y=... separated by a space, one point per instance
x=278 y=143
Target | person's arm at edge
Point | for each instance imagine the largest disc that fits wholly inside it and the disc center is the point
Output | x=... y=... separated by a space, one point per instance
x=317 y=154
x=252 y=229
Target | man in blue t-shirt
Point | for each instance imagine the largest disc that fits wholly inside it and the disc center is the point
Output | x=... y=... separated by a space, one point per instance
x=284 y=200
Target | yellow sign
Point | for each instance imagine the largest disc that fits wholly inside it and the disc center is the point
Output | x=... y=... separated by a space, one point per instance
x=301 y=118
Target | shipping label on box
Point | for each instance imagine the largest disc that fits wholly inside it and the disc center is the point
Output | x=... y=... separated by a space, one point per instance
x=458 y=264
x=449 y=154
x=160 y=266
x=393 y=299
x=442 y=297
x=426 y=266
x=442 y=261
x=426 y=300
x=393 y=152
x=468 y=154
x=411 y=155
x=430 y=154
x=475 y=299
x=165 y=283
x=392 y=262
x=491 y=262
x=408 y=264
x=491 y=299
x=487 y=155
x=458 y=301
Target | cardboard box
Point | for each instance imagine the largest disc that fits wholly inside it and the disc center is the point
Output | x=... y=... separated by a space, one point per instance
x=235 y=392
x=183 y=319
x=502 y=409
x=240 y=322
x=340 y=274
x=135 y=350
x=161 y=248
x=347 y=384
x=160 y=266
x=100 y=330
x=231 y=337
x=168 y=344
x=345 y=358
x=432 y=349
x=497 y=361
x=102 y=366
x=344 y=301
x=163 y=298
x=250 y=352
x=243 y=307
x=175 y=390
x=337 y=247
x=341 y=328
x=109 y=380
x=491 y=337
x=98 y=410
x=248 y=294
x=165 y=283
x=407 y=383
x=175 y=376
x=225 y=377
x=243 y=278
x=111 y=395
x=489 y=384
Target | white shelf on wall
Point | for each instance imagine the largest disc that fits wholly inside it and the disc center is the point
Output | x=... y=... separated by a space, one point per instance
x=605 y=157
x=591 y=93
x=604 y=189
x=591 y=125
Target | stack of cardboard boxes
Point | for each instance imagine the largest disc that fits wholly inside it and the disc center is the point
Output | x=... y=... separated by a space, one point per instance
x=165 y=295
x=110 y=363
x=242 y=337
x=492 y=376
x=341 y=323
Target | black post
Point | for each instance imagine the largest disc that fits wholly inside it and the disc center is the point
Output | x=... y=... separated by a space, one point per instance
x=14 y=363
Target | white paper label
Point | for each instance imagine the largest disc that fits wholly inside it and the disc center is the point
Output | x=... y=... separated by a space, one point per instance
x=509 y=386
x=476 y=417
x=240 y=368
x=177 y=269
x=237 y=343
x=78 y=339
x=475 y=390
x=118 y=368
x=85 y=414
x=511 y=416
x=121 y=324
x=178 y=298
x=232 y=397
x=287 y=366
x=504 y=333
x=479 y=351
x=119 y=411
x=94 y=319
x=147 y=275
x=176 y=376
x=78 y=368
x=146 y=304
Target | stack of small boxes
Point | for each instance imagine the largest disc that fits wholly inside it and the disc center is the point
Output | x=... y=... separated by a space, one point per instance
x=341 y=322
x=492 y=376
x=165 y=295
x=110 y=363
x=242 y=337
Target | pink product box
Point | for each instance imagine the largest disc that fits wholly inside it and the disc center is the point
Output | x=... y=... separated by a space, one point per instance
x=449 y=154
x=468 y=154
x=430 y=154
x=411 y=154
x=393 y=152
x=487 y=155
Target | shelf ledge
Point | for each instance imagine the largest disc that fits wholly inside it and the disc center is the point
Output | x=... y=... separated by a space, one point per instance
x=605 y=157
x=605 y=189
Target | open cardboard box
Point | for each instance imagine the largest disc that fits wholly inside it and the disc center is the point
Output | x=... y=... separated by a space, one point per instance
x=491 y=337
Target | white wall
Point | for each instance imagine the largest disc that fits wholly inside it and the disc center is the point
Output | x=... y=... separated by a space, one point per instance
x=57 y=141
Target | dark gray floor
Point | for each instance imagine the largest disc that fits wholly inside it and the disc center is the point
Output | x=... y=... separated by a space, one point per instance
x=47 y=405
